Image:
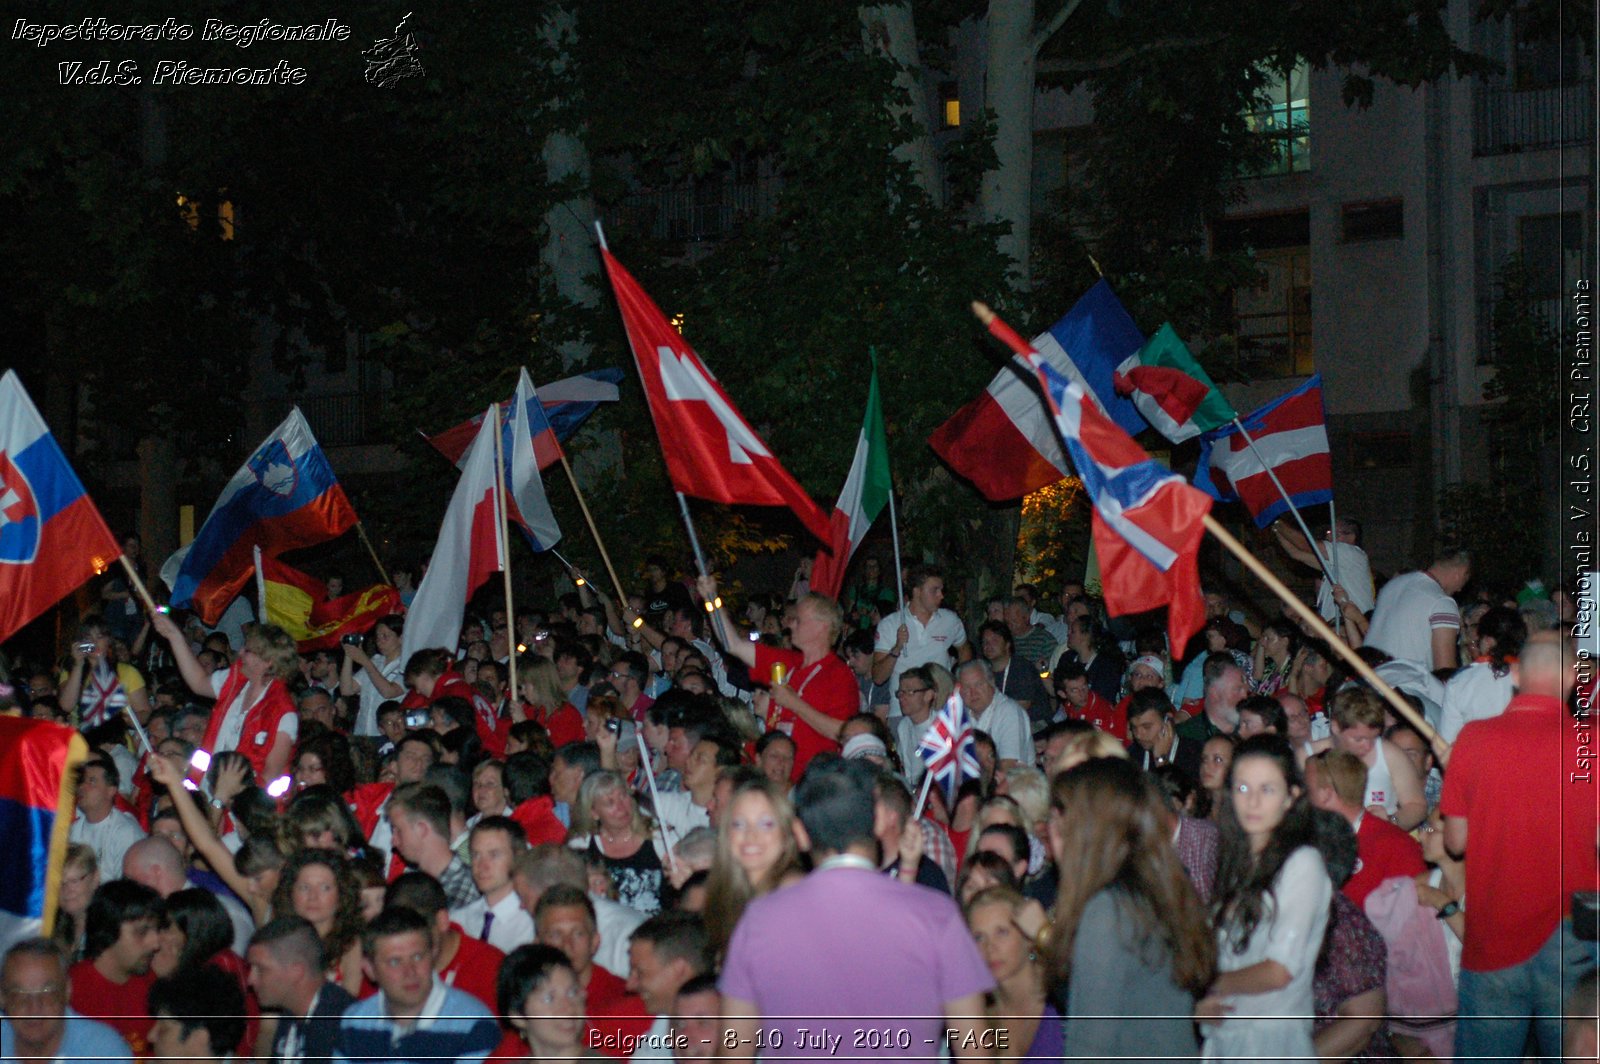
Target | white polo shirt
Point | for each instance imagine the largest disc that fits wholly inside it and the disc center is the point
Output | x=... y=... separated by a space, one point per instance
x=933 y=642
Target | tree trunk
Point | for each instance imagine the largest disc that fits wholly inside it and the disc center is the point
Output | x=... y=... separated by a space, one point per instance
x=892 y=30
x=1006 y=193
x=570 y=253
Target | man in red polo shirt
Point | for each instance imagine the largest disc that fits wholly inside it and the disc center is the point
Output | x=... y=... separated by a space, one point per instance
x=565 y=919
x=1079 y=701
x=460 y=960
x=1337 y=781
x=1519 y=802
x=120 y=938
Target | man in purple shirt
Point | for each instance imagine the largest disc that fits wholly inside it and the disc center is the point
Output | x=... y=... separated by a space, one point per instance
x=850 y=963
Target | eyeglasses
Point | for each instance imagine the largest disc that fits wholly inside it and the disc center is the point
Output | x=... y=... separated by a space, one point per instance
x=53 y=990
x=903 y=691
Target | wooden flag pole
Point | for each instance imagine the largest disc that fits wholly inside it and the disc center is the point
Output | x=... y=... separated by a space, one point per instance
x=138 y=584
x=605 y=556
x=503 y=530
x=1402 y=708
x=361 y=530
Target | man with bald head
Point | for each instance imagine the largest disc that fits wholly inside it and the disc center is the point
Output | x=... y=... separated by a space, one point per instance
x=157 y=864
x=1519 y=802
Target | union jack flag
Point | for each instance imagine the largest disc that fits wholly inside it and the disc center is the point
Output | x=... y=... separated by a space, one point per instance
x=948 y=749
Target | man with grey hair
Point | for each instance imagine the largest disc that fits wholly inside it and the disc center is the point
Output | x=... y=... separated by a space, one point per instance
x=996 y=713
x=39 y=1025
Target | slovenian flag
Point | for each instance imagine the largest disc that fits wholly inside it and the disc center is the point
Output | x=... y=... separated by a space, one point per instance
x=866 y=492
x=284 y=497
x=1170 y=388
x=1002 y=441
x=38 y=760
x=52 y=538
x=1291 y=438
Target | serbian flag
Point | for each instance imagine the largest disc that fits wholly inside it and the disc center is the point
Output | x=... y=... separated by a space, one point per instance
x=285 y=496
x=298 y=603
x=52 y=538
x=1170 y=388
x=564 y=405
x=949 y=750
x=469 y=550
x=1003 y=442
x=1147 y=522
x=1291 y=438
x=710 y=450
x=866 y=492
x=38 y=760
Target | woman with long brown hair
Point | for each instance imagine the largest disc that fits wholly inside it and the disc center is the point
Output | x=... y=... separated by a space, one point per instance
x=319 y=886
x=1126 y=919
x=757 y=852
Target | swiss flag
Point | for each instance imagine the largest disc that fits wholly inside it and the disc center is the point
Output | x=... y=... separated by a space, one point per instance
x=711 y=451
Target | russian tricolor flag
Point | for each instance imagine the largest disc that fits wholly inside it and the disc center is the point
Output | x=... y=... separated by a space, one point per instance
x=37 y=762
x=52 y=538
x=284 y=497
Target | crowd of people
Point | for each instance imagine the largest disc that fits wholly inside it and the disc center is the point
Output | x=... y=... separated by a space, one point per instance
x=694 y=831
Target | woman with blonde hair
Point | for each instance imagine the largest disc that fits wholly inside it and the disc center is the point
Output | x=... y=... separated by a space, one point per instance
x=608 y=825
x=80 y=877
x=254 y=713
x=543 y=699
x=1087 y=746
x=757 y=852
x=1130 y=949
x=1018 y=1005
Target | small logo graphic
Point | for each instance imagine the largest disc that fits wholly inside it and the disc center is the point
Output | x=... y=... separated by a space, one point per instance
x=275 y=470
x=19 y=516
x=391 y=59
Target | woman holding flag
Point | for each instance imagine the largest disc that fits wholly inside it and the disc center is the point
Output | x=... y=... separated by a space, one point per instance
x=254 y=713
x=813 y=690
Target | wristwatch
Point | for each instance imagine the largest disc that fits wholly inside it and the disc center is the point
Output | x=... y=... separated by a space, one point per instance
x=1448 y=910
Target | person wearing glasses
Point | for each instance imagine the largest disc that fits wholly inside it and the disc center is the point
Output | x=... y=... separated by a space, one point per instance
x=39 y=1024
x=916 y=695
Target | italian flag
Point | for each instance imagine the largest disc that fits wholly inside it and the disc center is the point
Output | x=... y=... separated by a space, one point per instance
x=865 y=494
x=1170 y=388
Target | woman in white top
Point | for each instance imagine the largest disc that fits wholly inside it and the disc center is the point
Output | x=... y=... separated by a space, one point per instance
x=379 y=678
x=1272 y=904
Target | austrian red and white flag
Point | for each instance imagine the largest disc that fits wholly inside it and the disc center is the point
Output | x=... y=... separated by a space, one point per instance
x=470 y=549
x=710 y=450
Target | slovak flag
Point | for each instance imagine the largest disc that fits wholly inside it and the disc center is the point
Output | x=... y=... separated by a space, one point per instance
x=948 y=748
x=52 y=538
x=37 y=762
x=469 y=550
x=1291 y=436
x=524 y=435
x=285 y=496
x=710 y=450
x=1147 y=521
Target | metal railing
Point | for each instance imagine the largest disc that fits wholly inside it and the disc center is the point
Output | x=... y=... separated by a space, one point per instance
x=699 y=211
x=345 y=419
x=1512 y=120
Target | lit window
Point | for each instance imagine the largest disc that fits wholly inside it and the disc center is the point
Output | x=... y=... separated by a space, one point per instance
x=1284 y=116
x=950 y=104
x=189 y=210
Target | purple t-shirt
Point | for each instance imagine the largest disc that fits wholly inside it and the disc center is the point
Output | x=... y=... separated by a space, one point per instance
x=850 y=955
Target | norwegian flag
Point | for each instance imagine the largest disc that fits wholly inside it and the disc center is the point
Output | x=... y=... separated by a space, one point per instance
x=1147 y=522
x=947 y=748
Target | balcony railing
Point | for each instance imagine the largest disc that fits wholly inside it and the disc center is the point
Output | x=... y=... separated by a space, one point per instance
x=345 y=419
x=1549 y=311
x=708 y=210
x=1511 y=120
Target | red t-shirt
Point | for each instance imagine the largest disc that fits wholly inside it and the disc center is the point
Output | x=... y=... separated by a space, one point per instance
x=124 y=1008
x=475 y=968
x=564 y=723
x=1383 y=851
x=1525 y=782
x=1102 y=715
x=538 y=819
x=827 y=686
x=614 y=1014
